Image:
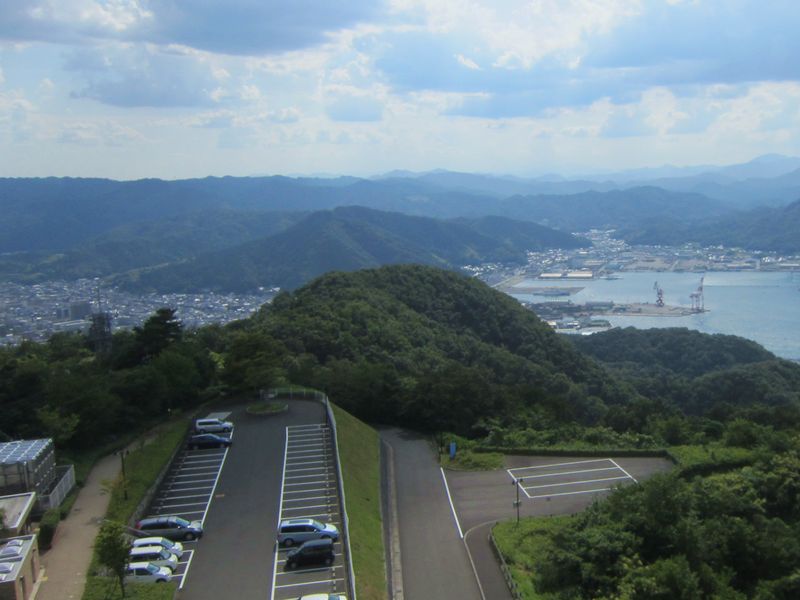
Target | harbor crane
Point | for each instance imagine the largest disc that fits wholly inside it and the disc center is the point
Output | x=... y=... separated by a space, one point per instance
x=659 y=295
x=698 y=301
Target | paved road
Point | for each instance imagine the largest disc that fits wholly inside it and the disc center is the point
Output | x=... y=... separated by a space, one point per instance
x=435 y=563
x=234 y=558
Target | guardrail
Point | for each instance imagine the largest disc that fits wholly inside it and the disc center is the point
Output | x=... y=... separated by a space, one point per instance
x=340 y=479
x=512 y=585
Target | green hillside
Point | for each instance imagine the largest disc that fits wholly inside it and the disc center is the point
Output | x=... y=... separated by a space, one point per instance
x=351 y=238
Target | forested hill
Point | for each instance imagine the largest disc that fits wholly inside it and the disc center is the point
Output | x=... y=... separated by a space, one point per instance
x=434 y=350
x=766 y=229
x=700 y=373
x=351 y=238
x=680 y=350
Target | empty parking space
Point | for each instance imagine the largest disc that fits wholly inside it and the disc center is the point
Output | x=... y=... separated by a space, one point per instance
x=566 y=478
x=309 y=491
x=187 y=491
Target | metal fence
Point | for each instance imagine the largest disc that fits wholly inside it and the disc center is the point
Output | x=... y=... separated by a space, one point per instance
x=512 y=585
x=66 y=481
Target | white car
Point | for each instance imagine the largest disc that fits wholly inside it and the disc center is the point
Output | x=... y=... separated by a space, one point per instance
x=323 y=597
x=144 y=572
x=175 y=547
x=212 y=426
x=157 y=555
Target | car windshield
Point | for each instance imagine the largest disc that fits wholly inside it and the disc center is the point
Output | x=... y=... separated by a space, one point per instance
x=318 y=525
x=182 y=522
x=152 y=568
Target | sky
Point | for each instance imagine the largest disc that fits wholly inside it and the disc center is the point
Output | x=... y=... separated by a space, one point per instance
x=128 y=89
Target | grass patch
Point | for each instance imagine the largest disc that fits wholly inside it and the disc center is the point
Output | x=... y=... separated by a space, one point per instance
x=521 y=544
x=699 y=460
x=467 y=460
x=107 y=588
x=359 y=451
x=142 y=466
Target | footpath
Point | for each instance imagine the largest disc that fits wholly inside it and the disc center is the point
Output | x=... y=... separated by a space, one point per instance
x=67 y=562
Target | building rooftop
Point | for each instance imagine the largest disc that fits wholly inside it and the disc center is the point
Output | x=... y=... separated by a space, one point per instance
x=22 y=450
x=12 y=555
x=16 y=509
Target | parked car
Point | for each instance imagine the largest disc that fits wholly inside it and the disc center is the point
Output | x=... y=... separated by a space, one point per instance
x=314 y=552
x=323 y=597
x=174 y=528
x=209 y=440
x=156 y=555
x=291 y=531
x=212 y=426
x=175 y=547
x=145 y=572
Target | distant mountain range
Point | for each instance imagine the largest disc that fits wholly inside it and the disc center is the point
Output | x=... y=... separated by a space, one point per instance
x=67 y=228
x=766 y=229
x=348 y=239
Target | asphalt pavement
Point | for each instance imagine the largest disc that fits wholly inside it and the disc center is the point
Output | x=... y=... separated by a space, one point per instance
x=434 y=559
x=234 y=559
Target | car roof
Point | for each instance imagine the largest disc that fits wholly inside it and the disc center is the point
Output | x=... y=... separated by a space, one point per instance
x=146 y=549
x=153 y=540
x=139 y=564
x=296 y=522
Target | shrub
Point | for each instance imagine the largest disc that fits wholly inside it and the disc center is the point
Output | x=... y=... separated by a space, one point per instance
x=47 y=527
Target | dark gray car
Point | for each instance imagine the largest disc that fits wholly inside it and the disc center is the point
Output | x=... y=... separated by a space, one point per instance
x=173 y=528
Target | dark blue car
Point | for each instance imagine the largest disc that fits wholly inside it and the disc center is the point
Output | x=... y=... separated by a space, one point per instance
x=209 y=440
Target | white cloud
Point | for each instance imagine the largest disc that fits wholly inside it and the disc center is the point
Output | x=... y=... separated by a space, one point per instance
x=467 y=62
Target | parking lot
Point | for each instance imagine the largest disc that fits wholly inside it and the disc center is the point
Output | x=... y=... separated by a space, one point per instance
x=187 y=491
x=309 y=491
x=569 y=478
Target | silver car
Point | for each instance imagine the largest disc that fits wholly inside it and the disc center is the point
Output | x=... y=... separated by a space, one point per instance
x=292 y=531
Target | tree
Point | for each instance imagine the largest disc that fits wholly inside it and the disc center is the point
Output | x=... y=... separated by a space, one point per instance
x=112 y=549
x=158 y=332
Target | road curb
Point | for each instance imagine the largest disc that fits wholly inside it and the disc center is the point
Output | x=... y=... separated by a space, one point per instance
x=394 y=564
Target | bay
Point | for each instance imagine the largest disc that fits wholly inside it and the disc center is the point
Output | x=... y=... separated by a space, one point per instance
x=758 y=305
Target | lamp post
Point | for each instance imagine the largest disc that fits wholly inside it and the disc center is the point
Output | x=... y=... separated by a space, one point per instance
x=122 y=454
x=517 y=483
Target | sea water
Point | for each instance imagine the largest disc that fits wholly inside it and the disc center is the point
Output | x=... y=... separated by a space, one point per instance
x=761 y=306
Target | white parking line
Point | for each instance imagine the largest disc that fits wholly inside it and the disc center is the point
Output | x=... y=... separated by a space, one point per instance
x=307 y=469
x=310 y=498
x=577 y=462
x=181 y=505
x=526 y=477
x=280 y=507
x=191 y=475
x=608 y=489
x=623 y=470
x=184 y=497
x=306 y=507
x=214 y=488
x=189 y=489
x=183 y=575
x=322 y=489
x=158 y=513
x=317 y=452
x=549 y=485
x=311 y=462
x=322 y=582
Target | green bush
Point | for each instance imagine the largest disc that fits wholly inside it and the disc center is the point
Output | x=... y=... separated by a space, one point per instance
x=47 y=527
